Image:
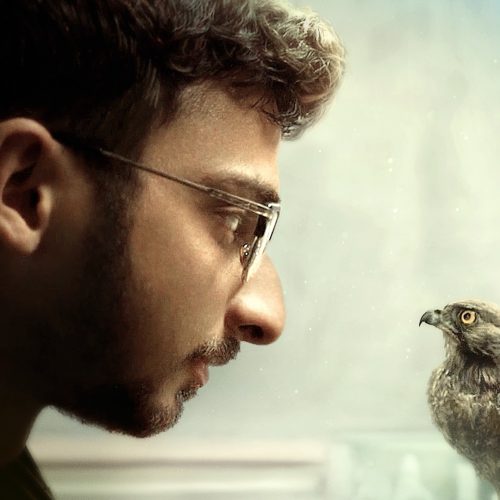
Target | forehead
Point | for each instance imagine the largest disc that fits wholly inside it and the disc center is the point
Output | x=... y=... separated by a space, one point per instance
x=213 y=98
x=214 y=133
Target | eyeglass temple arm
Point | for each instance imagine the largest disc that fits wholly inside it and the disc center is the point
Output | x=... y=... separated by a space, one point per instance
x=258 y=208
x=255 y=207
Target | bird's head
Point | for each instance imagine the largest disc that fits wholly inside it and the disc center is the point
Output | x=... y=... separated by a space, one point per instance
x=471 y=327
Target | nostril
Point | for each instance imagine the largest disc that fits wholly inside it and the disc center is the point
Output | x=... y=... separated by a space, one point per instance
x=252 y=333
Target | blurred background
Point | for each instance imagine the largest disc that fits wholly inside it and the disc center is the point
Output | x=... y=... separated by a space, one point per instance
x=391 y=207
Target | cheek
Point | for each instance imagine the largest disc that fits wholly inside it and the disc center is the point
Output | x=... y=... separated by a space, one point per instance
x=179 y=281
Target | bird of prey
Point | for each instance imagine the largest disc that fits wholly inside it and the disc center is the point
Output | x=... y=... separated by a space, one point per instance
x=464 y=391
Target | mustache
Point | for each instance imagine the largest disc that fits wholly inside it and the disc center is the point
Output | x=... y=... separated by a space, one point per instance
x=217 y=352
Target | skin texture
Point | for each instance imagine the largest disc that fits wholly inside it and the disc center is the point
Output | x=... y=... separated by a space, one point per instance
x=463 y=392
x=113 y=318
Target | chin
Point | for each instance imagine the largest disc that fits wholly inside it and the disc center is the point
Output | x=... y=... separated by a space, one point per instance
x=132 y=410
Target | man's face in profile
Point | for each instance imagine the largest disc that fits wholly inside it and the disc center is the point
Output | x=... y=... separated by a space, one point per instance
x=155 y=293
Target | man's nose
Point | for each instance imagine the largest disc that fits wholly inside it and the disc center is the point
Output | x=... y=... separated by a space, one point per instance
x=256 y=313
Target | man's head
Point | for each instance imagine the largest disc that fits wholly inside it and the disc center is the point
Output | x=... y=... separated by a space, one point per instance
x=109 y=71
x=119 y=288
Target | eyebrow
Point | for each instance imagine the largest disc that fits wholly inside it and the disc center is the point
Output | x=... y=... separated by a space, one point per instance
x=240 y=185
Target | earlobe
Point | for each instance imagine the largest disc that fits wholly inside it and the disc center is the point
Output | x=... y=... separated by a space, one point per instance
x=25 y=194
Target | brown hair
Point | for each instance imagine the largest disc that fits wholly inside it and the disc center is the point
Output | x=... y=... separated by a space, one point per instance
x=105 y=69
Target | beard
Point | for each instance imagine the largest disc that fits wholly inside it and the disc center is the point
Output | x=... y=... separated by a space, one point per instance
x=84 y=361
x=127 y=408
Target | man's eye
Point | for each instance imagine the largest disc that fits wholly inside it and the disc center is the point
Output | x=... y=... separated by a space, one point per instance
x=233 y=221
x=241 y=225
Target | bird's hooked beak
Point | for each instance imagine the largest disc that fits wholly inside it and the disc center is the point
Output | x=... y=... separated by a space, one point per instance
x=431 y=318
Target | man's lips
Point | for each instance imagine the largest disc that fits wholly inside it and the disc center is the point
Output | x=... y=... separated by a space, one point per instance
x=200 y=370
x=211 y=354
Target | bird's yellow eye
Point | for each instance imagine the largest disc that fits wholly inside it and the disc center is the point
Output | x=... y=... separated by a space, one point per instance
x=467 y=317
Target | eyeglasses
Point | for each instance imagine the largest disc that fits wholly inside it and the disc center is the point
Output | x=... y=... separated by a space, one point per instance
x=254 y=232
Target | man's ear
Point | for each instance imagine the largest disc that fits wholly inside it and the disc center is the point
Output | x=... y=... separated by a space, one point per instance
x=26 y=194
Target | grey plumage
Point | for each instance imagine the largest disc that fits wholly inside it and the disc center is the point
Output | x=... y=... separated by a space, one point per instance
x=464 y=391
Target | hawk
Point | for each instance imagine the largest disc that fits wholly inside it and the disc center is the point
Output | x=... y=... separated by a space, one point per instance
x=464 y=391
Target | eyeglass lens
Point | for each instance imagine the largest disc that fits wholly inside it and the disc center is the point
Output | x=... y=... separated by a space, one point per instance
x=251 y=252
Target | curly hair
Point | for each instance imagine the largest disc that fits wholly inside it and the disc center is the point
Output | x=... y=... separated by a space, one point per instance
x=105 y=69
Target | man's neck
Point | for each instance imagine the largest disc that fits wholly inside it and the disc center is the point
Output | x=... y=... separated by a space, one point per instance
x=17 y=415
